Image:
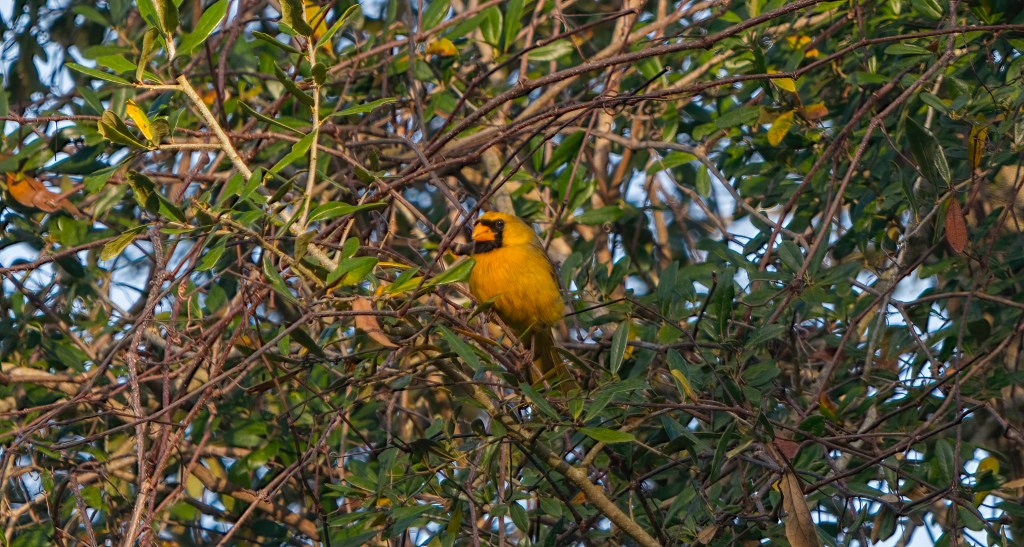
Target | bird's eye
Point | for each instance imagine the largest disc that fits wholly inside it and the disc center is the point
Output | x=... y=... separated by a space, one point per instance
x=499 y=224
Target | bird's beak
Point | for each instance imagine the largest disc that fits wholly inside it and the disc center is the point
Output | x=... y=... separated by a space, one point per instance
x=482 y=232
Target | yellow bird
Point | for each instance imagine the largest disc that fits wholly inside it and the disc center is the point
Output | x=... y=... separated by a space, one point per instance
x=514 y=272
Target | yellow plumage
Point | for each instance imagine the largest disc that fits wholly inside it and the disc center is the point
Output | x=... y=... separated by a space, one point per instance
x=514 y=272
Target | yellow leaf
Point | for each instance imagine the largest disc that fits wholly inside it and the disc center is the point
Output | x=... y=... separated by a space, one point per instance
x=779 y=128
x=685 y=384
x=442 y=48
x=976 y=145
x=812 y=53
x=317 y=17
x=785 y=84
x=141 y=120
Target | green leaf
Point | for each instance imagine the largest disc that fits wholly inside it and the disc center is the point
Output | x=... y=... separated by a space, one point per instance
x=148 y=12
x=458 y=272
x=294 y=15
x=764 y=334
x=337 y=25
x=618 y=349
x=117 y=245
x=490 y=26
x=352 y=270
x=113 y=128
x=292 y=88
x=539 y=402
x=461 y=348
x=167 y=12
x=906 y=49
x=275 y=42
x=513 y=14
x=703 y=182
x=740 y=115
x=929 y=8
x=208 y=21
x=297 y=152
x=367 y=107
x=149 y=45
x=212 y=256
x=608 y=213
x=335 y=209
x=266 y=119
x=607 y=436
x=99 y=74
x=552 y=52
x=97 y=180
x=435 y=13
x=930 y=158
x=276 y=281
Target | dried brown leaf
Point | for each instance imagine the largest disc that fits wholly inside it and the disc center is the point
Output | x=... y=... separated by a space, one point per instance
x=956 y=227
x=799 y=527
x=368 y=323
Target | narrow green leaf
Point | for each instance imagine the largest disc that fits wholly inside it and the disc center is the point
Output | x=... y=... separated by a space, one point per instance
x=608 y=436
x=335 y=209
x=367 y=107
x=208 y=21
x=490 y=26
x=167 y=12
x=266 y=119
x=212 y=256
x=618 y=350
x=435 y=13
x=703 y=182
x=458 y=272
x=513 y=14
x=99 y=74
x=539 y=401
x=931 y=160
x=906 y=49
x=292 y=88
x=274 y=42
x=461 y=348
x=297 y=152
x=337 y=25
x=764 y=334
x=276 y=281
x=148 y=12
x=117 y=245
x=553 y=51
x=294 y=15
x=149 y=44
x=608 y=213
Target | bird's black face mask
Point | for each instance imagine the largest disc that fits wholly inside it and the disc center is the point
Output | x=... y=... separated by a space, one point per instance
x=487 y=235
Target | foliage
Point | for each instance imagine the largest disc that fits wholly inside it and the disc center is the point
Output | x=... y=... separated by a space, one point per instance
x=789 y=236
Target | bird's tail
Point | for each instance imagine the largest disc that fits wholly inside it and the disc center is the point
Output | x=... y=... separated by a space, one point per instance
x=547 y=364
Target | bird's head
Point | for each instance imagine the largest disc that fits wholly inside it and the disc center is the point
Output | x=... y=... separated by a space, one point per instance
x=494 y=230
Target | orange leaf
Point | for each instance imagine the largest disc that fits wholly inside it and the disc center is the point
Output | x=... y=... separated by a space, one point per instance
x=814 y=112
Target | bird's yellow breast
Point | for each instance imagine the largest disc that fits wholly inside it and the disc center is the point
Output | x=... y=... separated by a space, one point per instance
x=521 y=282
